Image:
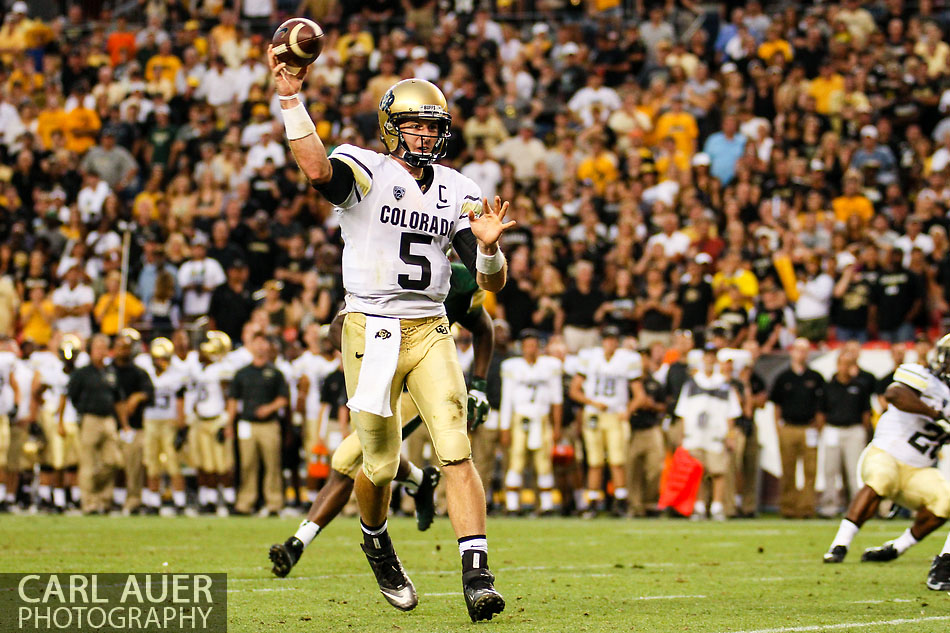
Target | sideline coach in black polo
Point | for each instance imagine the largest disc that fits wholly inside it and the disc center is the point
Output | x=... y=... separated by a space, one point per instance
x=798 y=393
x=262 y=391
x=95 y=392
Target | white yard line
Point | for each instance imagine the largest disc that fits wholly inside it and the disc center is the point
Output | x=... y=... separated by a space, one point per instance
x=848 y=625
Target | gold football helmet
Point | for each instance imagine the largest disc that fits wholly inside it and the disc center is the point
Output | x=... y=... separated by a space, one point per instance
x=69 y=347
x=161 y=349
x=217 y=345
x=939 y=358
x=414 y=99
x=130 y=333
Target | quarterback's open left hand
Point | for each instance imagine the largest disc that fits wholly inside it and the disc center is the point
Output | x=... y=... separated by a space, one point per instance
x=477 y=404
x=489 y=226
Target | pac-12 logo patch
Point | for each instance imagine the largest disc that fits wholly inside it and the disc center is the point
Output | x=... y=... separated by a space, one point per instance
x=383 y=334
x=398 y=192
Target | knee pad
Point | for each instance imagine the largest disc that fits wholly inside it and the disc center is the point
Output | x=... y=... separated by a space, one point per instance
x=940 y=503
x=545 y=482
x=383 y=474
x=513 y=479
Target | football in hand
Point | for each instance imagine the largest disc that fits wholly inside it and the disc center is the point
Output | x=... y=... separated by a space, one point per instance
x=298 y=42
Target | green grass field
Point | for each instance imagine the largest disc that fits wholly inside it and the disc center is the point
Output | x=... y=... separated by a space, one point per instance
x=557 y=575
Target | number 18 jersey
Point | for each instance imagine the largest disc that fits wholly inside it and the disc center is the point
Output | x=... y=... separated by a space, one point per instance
x=396 y=237
x=911 y=438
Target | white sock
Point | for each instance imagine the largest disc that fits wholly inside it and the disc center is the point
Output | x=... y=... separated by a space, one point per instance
x=620 y=494
x=846 y=533
x=946 y=546
x=74 y=493
x=151 y=498
x=46 y=493
x=480 y=544
x=212 y=497
x=59 y=497
x=512 y=501
x=307 y=531
x=227 y=494
x=3 y=491
x=118 y=496
x=414 y=479
x=178 y=498
x=580 y=500
x=202 y=495
x=715 y=508
x=547 y=500
x=904 y=542
x=371 y=532
x=699 y=508
x=594 y=496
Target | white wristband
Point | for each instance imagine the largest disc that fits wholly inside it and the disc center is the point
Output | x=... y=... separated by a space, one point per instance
x=287 y=97
x=297 y=122
x=489 y=264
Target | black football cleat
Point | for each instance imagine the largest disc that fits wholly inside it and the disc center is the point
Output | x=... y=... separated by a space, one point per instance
x=285 y=556
x=482 y=600
x=425 y=497
x=883 y=554
x=836 y=554
x=392 y=579
x=939 y=577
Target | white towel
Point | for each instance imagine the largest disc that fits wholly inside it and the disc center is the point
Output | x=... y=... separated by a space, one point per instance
x=380 y=357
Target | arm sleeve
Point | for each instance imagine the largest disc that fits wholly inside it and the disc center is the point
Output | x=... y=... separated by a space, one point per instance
x=341 y=183
x=465 y=246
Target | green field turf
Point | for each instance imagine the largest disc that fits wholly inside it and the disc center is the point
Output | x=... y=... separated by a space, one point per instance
x=556 y=574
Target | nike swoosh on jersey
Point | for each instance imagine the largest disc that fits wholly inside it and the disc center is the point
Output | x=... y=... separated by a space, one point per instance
x=442 y=206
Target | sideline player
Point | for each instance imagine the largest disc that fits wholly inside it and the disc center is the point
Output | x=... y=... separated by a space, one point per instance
x=212 y=451
x=399 y=215
x=604 y=384
x=899 y=464
x=463 y=305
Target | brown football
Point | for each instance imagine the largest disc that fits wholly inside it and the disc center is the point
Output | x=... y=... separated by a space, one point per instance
x=298 y=42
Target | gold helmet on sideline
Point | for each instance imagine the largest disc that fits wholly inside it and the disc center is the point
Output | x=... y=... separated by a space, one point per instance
x=70 y=346
x=217 y=345
x=130 y=333
x=414 y=99
x=218 y=335
x=161 y=349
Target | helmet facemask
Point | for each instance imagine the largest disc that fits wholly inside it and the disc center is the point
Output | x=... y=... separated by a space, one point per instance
x=421 y=159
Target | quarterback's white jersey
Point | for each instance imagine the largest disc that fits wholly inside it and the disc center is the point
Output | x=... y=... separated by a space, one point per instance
x=911 y=438
x=706 y=404
x=608 y=381
x=209 y=393
x=8 y=363
x=395 y=237
x=316 y=368
x=167 y=387
x=529 y=391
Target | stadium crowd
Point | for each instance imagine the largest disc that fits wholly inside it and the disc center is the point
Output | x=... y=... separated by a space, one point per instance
x=739 y=177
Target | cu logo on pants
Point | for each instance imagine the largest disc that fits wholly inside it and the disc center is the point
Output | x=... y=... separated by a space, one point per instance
x=383 y=334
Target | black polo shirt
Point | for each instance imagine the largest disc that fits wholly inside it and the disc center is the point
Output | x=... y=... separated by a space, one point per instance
x=134 y=379
x=94 y=390
x=846 y=403
x=799 y=395
x=648 y=418
x=255 y=386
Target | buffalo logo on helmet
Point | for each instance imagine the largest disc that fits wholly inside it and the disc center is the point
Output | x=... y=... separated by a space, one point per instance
x=399 y=192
